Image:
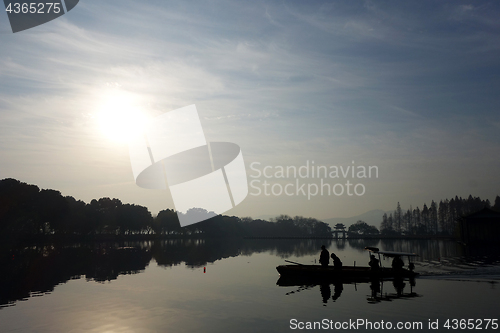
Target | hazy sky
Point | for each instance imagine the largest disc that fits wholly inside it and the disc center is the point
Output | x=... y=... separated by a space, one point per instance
x=409 y=87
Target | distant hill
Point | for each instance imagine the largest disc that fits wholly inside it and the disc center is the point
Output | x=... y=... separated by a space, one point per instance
x=372 y=217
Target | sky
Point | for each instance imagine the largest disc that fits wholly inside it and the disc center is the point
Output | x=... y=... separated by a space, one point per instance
x=407 y=88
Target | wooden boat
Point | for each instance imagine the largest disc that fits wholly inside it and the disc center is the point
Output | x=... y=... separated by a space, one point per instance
x=318 y=273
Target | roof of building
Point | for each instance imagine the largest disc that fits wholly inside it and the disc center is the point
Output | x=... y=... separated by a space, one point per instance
x=485 y=213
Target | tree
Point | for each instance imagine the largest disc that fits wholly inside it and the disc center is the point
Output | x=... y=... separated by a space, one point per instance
x=76 y=218
x=496 y=206
x=416 y=220
x=425 y=218
x=361 y=228
x=386 y=227
x=108 y=210
x=408 y=221
x=433 y=218
x=52 y=209
x=166 y=222
x=442 y=217
x=17 y=209
x=397 y=219
x=133 y=219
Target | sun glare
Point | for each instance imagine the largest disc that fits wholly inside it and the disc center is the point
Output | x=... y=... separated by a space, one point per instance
x=120 y=118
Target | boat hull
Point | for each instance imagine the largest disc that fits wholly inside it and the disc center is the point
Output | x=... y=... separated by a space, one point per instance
x=317 y=273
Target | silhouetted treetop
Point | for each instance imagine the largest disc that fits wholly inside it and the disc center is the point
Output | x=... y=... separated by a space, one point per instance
x=436 y=219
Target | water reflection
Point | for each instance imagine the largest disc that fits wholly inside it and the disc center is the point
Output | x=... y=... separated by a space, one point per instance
x=326 y=291
x=380 y=290
x=338 y=287
x=378 y=294
x=35 y=270
x=360 y=244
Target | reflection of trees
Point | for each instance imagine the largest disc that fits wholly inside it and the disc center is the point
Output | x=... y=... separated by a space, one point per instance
x=340 y=243
x=194 y=252
x=425 y=248
x=38 y=269
x=199 y=252
x=360 y=243
x=448 y=252
x=285 y=248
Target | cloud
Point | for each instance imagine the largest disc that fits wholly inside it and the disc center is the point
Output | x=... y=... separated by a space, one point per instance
x=387 y=84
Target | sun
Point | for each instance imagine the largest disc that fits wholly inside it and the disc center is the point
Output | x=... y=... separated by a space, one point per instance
x=120 y=119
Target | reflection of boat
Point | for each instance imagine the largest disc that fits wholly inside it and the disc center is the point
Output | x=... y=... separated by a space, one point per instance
x=297 y=273
x=377 y=294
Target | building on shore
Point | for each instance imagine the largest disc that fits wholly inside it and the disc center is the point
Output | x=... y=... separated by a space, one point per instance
x=481 y=227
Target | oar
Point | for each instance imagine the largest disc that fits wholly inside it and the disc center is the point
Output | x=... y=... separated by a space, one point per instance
x=293 y=262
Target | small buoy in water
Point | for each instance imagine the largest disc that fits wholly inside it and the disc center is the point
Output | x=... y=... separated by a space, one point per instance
x=204 y=269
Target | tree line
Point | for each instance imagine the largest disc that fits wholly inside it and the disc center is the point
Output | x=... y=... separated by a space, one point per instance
x=436 y=219
x=26 y=212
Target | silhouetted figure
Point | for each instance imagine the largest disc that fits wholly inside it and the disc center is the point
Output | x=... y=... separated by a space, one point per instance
x=337 y=264
x=411 y=267
x=324 y=257
x=326 y=292
x=397 y=264
x=374 y=263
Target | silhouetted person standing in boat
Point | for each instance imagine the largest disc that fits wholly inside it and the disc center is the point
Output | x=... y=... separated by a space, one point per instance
x=337 y=264
x=324 y=257
x=397 y=264
x=374 y=263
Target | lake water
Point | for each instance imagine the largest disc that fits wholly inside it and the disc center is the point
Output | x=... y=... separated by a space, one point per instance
x=230 y=286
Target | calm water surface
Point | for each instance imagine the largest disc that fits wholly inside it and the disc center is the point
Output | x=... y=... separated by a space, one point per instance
x=230 y=286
